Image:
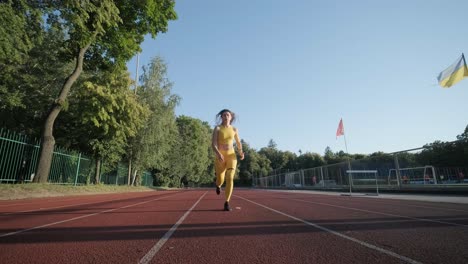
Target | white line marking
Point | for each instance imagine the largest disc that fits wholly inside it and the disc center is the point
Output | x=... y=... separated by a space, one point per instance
x=406 y=204
x=62 y=206
x=432 y=207
x=80 y=217
x=401 y=221
x=50 y=198
x=362 y=243
x=47 y=208
x=154 y=250
x=386 y=214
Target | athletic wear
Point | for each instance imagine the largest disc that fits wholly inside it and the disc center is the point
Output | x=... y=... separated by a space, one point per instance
x=226 y=169
x=226 y=135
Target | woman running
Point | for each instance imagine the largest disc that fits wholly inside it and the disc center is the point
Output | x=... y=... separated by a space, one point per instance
x=226 y=161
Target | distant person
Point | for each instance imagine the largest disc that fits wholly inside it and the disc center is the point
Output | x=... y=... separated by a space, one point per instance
x=405 y=179
x=314 y=180
x=461 y=177
x=226 y=162
x=427 y=178
x=21 y=176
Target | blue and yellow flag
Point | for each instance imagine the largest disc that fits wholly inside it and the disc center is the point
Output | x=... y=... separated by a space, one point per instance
x=453 y=74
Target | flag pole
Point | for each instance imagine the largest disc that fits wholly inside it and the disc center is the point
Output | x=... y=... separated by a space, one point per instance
x=340 y=132
x=464 y=61
x=346 y=146
x=349 y=164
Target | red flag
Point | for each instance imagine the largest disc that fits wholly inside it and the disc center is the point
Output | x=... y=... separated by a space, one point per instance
x=340 y=130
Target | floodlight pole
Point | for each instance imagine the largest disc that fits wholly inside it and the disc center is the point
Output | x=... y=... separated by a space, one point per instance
x=377 y=184
x=136 y=74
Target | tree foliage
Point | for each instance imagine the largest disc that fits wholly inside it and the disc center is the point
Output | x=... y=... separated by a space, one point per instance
x=191 y=157
x=20 y=32
x=104 y=115
x=34 y=82
x=150 y=149
x=253 y=165
x=102 y=33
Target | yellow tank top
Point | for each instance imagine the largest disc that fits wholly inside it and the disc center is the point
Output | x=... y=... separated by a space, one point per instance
x=225 y=135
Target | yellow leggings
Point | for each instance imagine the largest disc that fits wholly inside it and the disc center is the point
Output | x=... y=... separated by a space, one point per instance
x=226 y=169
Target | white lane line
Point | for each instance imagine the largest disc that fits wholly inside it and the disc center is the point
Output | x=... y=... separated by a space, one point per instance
x=438 y=208
x=62 y=206
x=56 y=207
x=406 y=204
x=380 y=213
x=31 y=202
x=154 y=250
x=362 y=243
x=401 y=221
x=80 y=217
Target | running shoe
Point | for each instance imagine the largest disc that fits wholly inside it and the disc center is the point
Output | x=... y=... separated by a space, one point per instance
x=227 y=207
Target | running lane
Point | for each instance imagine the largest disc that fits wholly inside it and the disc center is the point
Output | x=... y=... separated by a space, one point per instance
x=254 y=233
x=105 y=232
x=422 y=231
x=263 y=227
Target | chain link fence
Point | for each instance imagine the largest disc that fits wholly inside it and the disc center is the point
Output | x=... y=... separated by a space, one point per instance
x=395 y=171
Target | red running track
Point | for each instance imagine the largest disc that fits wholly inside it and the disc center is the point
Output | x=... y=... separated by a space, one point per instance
x=263 y=227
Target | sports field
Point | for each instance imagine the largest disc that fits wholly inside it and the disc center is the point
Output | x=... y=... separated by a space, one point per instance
x=189 y=226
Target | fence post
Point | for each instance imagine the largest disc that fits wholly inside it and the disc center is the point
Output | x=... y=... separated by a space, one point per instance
x=397 y=166
x=321 y=174
x=77 y=169
x=302 y=178
x=117 y=175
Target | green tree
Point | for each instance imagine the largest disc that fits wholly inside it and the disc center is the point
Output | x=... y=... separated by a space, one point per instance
x=104 y=115
x=333 y=158
x=278 y=159
x=463 y=143
x=107 y=33
x=443 y=154
x=291 y=160
x=310 y=160
x=253 y=165
x=151 y=148
x=35 y=81
x=20 y=26
x=191 y=157
x=272 y=144
x=20 y=34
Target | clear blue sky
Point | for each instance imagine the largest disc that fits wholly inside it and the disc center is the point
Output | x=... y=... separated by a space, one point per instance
x=291 y=69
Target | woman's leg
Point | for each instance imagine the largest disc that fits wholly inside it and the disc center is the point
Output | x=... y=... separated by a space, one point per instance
x=230 y=172
x=220 y=169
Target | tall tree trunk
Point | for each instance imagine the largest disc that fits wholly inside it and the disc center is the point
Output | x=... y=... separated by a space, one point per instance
x=98 y=171
x=134 y=177
x=48 y=141
x=129 y=171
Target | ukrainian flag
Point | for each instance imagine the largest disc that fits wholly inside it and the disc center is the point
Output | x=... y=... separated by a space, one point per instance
x=454 y=73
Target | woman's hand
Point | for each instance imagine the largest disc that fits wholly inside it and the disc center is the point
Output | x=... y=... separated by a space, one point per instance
x=220 y=156
x=241 y=155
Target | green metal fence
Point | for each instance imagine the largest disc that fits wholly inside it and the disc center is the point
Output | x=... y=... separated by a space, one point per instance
x=117 y=176
x=147 y=179
x=19 y=156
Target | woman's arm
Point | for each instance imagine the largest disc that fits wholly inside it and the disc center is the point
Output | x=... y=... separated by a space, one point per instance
x=238 y=143
x=214 y=144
